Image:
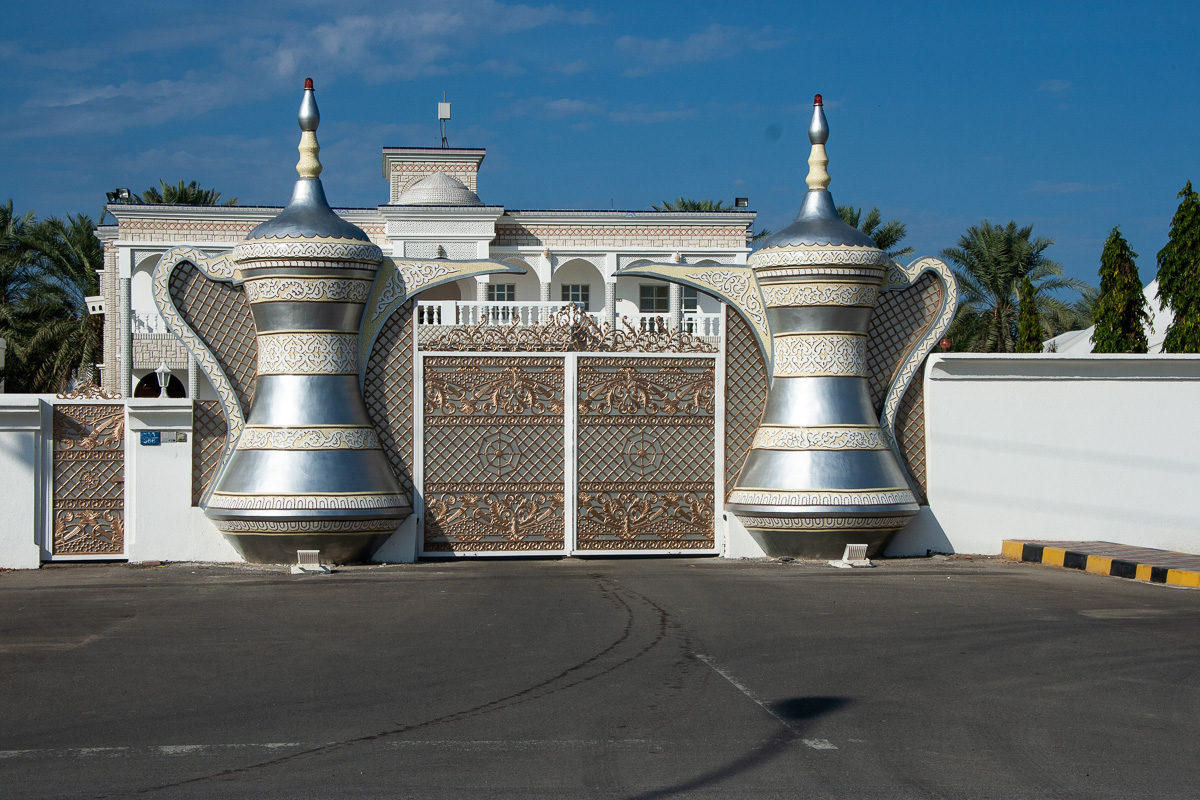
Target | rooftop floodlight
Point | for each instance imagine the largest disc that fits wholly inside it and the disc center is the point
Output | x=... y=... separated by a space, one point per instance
x=124 y=196
x=111 y=196
x=741 y=202
x=443 y=116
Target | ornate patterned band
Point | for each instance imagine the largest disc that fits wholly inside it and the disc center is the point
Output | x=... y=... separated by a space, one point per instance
x=305 y=526
x=406 y=280
x=323 y=438
x=807 y=254
x=737 y=283
x=318 y=353
x=308 y=249
x=823 y=437
x=875 y=273
x=823 y=523
x=306 y=502
x=304 y=290
x=888 y=496
x=821 y=294
x=819 y=354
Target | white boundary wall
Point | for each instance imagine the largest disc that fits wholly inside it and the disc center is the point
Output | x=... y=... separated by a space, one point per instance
x=1060 y=447
x=1037 y=447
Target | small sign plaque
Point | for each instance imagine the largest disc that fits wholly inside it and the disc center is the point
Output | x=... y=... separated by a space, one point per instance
x=151 y=438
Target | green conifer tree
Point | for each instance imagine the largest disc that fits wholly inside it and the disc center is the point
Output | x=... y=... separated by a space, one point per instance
x=1120 y=314
x=1029 y=327
x=1179 y=275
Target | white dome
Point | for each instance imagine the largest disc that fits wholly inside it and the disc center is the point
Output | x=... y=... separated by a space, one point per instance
x=439 y=189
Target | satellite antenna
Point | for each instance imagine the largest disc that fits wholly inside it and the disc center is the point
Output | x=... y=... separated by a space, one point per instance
x=444 y=117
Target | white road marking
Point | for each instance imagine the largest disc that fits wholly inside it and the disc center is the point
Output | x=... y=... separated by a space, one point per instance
x=481 y=745
x=815 y=744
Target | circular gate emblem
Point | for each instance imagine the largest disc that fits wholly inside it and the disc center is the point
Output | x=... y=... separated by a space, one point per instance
x=498 y=454
x=642 y=452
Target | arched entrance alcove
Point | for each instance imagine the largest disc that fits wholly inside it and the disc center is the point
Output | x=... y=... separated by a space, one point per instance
x=578 y=281
x=141 y=296
x=527 y=287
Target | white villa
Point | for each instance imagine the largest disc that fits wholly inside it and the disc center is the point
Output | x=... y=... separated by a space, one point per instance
x=433 y=211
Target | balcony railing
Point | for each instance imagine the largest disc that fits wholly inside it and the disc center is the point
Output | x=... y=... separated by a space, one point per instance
x=147 y=322
x=487 y=312
x=475 y=312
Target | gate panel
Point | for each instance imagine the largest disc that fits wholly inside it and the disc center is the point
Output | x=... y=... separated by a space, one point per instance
x=493 y=456
x=89 y=480
x=646 y=438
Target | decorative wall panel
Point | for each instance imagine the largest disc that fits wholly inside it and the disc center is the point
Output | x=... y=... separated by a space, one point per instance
x=89 y=480
x=746 y=386
x=645 y=453
x=910 y=435
x=388 y=390
x=209 y=430
x=899 y=322
x=220 y=316
x=493 y=458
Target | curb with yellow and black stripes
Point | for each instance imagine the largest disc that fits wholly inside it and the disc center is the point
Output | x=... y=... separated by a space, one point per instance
x=1038 y=553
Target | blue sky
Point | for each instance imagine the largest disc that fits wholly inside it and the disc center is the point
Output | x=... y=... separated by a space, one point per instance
x=1074 y=117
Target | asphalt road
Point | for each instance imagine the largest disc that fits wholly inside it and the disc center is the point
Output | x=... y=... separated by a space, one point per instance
x=644 y=678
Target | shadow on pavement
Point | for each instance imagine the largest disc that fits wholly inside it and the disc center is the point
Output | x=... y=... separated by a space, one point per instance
x=791 y=712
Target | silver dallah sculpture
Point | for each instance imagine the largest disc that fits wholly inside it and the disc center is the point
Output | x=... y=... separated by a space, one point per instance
x=308 y=464
x=303 y=469
x=822 y=471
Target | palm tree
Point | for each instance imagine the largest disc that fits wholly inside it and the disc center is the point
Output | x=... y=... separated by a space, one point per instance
x=991 y=261
x=886 y=236
x=688 y=204
x=182 y=194
x=14 y=262
x=58 y=339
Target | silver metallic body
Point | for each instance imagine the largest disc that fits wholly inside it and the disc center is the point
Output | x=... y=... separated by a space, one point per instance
x=308 y=471
x=821 y=472
x=842 y=494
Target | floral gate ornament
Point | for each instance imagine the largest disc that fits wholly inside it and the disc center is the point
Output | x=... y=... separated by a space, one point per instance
x=89 y=480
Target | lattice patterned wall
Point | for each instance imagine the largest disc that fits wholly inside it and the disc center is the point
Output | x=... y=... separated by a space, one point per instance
x=746 y=384
x=388 y=390
x=645 y=453
x=493 y=463
x=900 y=319
x=89 y=480
x=220 y=316
x=910 y=433
x=209 y=430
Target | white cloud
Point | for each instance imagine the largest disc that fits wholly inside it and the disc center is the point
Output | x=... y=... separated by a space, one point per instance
x=712 y=44
x=642 y=114
x=100 y=86
x=571 y=68
x=508 y=69
x=547 y=108
x=1054 y=86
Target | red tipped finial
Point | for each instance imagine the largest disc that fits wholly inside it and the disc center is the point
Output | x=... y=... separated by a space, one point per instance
x=308 y=84
x=817 y=100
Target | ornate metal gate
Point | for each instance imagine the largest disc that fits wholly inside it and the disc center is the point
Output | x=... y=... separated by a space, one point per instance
x=89 y=480
x=646 y=453
x=494 y=454
x=565 y=453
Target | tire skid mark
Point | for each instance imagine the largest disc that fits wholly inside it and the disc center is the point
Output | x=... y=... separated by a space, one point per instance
x=552 y=685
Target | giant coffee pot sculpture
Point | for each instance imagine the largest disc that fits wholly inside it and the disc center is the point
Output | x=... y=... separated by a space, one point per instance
x=822 y=471
x=302 y=468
